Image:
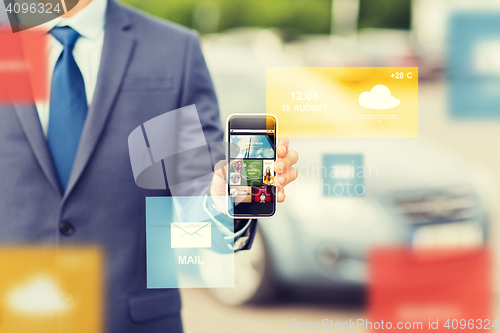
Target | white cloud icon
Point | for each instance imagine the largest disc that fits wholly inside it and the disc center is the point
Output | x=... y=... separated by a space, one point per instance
x=40 y=296
x=378 y=98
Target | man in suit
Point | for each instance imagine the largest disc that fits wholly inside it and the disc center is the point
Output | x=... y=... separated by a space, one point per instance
x=64 y=163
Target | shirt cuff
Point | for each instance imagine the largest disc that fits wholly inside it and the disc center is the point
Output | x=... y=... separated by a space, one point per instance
x=225 y=223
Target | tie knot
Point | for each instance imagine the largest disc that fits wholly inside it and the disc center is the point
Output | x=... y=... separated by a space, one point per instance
x=65 y=35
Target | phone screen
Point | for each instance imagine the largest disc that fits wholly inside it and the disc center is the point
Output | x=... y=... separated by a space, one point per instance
x=251 y=173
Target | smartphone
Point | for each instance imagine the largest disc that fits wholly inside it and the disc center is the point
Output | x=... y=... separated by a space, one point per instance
x=251 y=155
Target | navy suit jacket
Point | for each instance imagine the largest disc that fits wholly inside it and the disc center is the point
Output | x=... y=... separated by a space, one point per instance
x=148 y=67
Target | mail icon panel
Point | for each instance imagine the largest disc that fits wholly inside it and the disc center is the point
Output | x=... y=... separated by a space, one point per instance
x=191 y=235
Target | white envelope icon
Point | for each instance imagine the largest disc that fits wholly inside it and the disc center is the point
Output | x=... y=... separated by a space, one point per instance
x=191 y=235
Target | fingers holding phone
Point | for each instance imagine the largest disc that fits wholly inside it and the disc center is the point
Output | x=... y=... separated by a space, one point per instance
x=285 y=172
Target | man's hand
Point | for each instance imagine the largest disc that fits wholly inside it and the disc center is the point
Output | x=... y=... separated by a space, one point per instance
x=285 y=172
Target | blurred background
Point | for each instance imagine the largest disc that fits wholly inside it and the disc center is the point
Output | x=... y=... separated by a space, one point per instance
x=440 y=189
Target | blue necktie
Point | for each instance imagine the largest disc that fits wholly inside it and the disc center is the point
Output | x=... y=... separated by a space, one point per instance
x=68 y=106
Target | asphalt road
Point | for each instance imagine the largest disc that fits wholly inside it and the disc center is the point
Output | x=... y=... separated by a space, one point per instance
x=202 y=314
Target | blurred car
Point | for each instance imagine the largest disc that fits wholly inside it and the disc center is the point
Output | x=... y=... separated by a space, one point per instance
x=416 y=195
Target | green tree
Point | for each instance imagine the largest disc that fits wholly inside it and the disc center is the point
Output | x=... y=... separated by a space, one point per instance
x=300 y=16
x=394 y=14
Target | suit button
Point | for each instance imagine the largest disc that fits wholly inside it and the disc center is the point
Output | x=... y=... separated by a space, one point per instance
x=66 y=228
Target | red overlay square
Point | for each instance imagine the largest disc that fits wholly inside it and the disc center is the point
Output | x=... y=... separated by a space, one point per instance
x=23 y=66
x=429 y=286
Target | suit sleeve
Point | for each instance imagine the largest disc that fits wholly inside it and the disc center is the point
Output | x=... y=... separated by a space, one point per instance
x=198 y=89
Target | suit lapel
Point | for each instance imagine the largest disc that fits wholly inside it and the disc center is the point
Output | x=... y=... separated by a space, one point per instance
x=30 y=123
x=117 y=50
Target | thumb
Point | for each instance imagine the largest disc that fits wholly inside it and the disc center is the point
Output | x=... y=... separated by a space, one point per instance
x=219 y=180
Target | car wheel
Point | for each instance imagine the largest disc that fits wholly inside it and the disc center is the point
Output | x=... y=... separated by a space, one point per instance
x=254 y=281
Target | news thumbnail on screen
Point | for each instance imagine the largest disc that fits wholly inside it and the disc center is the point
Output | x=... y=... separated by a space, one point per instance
x=254 y=146
x=251 y=172
x=268 y=172
x=262 y=194
x=241 y=193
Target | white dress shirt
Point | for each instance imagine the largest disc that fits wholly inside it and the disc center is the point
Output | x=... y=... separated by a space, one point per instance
x=89 y=23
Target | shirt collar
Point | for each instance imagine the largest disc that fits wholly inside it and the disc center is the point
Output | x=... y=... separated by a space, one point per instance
x=89 y=22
